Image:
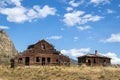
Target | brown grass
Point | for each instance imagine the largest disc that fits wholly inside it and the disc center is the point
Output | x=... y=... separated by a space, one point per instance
x=59 y=73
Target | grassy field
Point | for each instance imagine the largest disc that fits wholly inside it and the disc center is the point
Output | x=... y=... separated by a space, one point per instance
x=59 y=73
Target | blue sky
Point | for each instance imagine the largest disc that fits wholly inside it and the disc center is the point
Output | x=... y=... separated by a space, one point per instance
x=75 y=27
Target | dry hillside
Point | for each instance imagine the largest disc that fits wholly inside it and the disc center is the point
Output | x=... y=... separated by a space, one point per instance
x=7 y=49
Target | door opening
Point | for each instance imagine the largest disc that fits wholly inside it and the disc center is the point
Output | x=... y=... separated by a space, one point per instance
x=43 y=61
x=27 y=60
x=89 y=62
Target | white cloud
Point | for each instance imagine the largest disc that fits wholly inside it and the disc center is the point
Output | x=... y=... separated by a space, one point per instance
x=118 y=17
x=90 y=17
x=73 y=4
x=97 y=2
x=113 y=38
x=20 y=14
x=72 y=18
x=76 y=38
x=16 y=2
x=118 y=5
x=10 y=2
x=16 y=14
x=109 y=11
x=2 y=3
x=62 y=29
x=45 y=11
x=74 y=53
x=54 y=37
x=82 y=28
x=114 y=58
x=4 y=27
x=77 y=17
x=69 y=8
x=38 y=12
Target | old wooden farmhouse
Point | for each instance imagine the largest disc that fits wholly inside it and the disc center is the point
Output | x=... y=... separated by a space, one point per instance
x=94 y=59
x=42 y=53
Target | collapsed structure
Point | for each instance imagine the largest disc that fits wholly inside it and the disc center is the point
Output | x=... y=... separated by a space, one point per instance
x=94 y=59
x=42 y=53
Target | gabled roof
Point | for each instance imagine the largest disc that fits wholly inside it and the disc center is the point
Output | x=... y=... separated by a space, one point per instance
x=43 y=40
x=94 y=55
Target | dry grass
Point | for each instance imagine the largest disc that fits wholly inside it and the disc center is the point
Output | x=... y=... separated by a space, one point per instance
x=59 y=73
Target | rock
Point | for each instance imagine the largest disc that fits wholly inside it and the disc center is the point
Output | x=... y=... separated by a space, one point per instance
x=7 y=49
